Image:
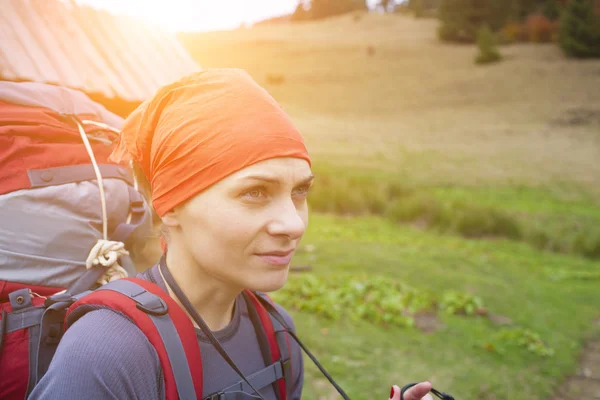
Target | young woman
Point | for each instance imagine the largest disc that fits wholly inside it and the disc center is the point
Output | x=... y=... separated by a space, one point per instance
x=228 y=174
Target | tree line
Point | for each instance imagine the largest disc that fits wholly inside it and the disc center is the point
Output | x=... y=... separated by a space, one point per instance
x=574 y=24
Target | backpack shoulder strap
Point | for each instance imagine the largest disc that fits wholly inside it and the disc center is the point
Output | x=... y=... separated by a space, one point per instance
x=275 y=335
x=283 y=339
x=164 y=323
x=272 y=310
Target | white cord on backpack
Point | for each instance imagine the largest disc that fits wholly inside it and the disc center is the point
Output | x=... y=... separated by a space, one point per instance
x=100 y=124
x=114 y=130
x=105 y=253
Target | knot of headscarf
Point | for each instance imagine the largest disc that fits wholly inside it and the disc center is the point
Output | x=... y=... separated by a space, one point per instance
x=202 y=128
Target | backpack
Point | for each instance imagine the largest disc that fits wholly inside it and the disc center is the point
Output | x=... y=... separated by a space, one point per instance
x=50 y=208
x=51 y=218
x=40 y=323
x=50 y=201
x=49 y=198
x=171 y=333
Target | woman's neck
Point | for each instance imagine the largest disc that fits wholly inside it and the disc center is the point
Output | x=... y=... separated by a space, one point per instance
x=213 y=299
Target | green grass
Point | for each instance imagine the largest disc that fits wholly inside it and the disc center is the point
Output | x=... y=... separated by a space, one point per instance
x=444 y=176
x=513 y=279
x=558 y=221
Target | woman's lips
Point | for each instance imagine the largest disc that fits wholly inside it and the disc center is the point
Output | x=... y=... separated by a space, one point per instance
x=276 y=259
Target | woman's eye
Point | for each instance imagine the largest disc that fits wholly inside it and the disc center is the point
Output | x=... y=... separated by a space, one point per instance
x=254 y=194
x=302 y=191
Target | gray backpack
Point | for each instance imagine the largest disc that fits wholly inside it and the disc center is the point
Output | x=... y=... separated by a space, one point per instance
x=60 y=198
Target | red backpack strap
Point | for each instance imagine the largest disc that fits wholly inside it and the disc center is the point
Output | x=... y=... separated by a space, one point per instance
x=278 y=341
x=164 y=323
x=283 y=339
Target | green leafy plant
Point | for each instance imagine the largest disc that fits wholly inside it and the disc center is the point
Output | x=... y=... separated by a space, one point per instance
x=565 y=275
x=454 y=302
x=518 y=337
x=374 y=299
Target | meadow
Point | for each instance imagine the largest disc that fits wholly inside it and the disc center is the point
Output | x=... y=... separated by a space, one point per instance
x=455 y=183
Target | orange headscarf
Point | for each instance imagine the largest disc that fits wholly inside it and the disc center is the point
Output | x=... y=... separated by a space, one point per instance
x=202 y=128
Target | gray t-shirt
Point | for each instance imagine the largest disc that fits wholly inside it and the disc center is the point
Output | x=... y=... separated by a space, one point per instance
x=105 y=356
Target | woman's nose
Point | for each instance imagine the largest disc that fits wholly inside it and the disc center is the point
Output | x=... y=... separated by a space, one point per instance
x=287 y=220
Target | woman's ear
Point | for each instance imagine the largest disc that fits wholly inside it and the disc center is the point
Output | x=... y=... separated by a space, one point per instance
x=171 y=218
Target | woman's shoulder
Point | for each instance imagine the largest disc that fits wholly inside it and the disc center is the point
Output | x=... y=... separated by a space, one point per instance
x=105 y=335
x=108 y=350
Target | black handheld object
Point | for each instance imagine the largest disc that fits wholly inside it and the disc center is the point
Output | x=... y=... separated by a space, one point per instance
x=441 y=395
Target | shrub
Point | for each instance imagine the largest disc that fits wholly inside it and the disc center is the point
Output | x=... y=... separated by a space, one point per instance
x=448 y=32
x=377 y=201
x=472 y=221
x=461 y=19
x=424 y=8
x=453 y=302
x=413 y=208
x=540 y=29
x=376 y=299
x=576 y=237
x=588 y=244
x=398 y=189
x=513 y=32
x=579 y=33
x=487 y=45
x=419 y=8
x=519 y=337
x=341 y=192
x=456 y=22
x=347 y=195
x=551 y=9
x=339 y=198
x=328 y=8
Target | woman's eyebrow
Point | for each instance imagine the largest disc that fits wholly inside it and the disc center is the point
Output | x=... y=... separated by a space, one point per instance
x=306 y=180
x=275 y=180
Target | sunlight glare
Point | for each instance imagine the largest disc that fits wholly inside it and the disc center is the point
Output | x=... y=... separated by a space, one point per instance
x=196 y=15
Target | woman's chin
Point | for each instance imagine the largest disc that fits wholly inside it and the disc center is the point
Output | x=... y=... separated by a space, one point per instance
x=269 y=281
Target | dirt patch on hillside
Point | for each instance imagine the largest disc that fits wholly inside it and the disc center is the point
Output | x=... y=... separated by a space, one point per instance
x=585 y=384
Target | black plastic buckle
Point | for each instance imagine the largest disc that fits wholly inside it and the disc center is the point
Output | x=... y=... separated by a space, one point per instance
x=58 y=298
x=153 y=307
x=215 y=396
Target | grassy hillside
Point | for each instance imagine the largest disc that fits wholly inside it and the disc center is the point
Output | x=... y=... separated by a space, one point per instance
x=422 y=109
x=493 y=172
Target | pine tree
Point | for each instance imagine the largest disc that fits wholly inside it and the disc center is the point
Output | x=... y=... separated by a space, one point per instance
x=551 y=9
x=579 y=34
x=453 y=20
x=461 y=19
x=418 y=8
x=487 y=45
x=328 y=8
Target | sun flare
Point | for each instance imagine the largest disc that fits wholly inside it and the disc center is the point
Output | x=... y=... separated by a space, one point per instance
x=196 y=15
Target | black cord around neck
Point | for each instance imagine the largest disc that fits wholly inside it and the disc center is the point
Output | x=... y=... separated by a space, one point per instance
x=200 y=322
x=273 y=311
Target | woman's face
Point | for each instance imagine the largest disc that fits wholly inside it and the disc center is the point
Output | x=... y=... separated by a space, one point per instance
x=244 y=229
